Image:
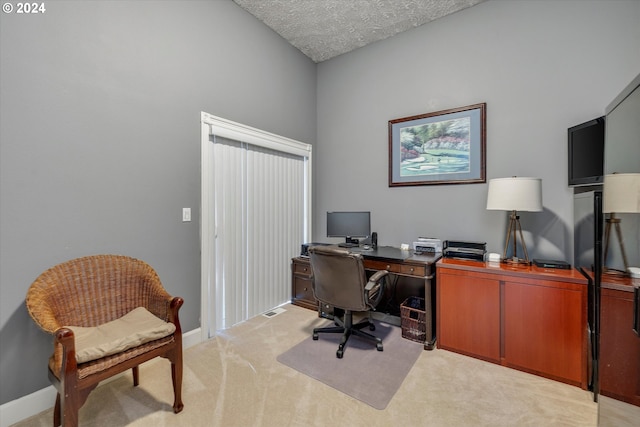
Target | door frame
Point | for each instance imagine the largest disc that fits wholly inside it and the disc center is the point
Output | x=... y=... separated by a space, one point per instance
x=212 y=125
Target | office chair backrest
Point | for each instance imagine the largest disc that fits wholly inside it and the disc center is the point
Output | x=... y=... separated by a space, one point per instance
x=339 y=278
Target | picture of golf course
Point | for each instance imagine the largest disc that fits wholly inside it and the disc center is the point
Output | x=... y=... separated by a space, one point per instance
x=435 y=148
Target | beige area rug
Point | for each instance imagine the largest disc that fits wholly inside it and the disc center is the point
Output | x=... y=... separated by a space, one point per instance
x=364 y=373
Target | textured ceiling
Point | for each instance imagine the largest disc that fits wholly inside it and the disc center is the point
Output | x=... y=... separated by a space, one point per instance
x=323 y=29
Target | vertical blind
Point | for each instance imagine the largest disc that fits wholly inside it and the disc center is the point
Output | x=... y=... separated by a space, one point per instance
x=259 y=207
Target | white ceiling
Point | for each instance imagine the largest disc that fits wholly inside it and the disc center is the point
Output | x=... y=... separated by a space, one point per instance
x=323 y=29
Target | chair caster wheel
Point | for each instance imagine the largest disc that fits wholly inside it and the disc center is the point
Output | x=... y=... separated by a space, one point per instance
x=315 y=336
x=379 y=346
x=339 y=354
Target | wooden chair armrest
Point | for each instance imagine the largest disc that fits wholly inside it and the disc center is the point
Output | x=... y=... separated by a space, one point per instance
x=174 y=307
x=64 y=352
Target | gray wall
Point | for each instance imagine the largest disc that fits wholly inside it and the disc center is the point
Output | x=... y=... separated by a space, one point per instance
x=100 y=141
x=540 y=66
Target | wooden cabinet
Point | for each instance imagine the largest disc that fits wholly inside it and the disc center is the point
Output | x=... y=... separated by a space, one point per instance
x=301 y=290
x=526 y=318
x=468 y=313
x=619 y=345
x=545 y=328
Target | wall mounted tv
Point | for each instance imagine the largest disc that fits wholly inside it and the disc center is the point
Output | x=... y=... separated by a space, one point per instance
x=586 y=153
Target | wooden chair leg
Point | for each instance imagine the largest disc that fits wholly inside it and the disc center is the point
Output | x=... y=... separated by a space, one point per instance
x=56 y=412
x=69 y=409
x=136 y=376
x=176 y=376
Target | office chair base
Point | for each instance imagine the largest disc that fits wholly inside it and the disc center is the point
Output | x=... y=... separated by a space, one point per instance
x=347 y=328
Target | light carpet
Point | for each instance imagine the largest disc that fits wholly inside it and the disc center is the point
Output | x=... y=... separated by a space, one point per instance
x=234 y=380
x=364 y=373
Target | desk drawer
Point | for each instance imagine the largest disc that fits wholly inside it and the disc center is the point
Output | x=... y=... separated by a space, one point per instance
x=302 y=290
x=302 y=269
x=406 y=269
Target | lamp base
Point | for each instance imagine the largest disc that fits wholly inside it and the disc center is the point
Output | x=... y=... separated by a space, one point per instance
x=516 y=261
x=612 y=220
x=613 y=272
x=513 y=230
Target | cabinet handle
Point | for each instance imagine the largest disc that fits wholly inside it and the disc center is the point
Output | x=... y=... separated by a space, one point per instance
x=388 y=267
x=304 y=269
x=636 y=311
x=411 y=269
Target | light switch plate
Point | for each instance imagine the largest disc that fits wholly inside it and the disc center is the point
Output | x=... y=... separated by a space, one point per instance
x=186 y=214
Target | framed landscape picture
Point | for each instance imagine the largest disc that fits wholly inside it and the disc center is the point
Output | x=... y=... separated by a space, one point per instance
x=443 y=147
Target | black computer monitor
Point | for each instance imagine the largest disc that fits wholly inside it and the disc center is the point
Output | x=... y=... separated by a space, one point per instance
x=350 y=225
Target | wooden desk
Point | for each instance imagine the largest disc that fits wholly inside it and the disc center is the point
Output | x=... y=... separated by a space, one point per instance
x=405 y=264
x=528 y=318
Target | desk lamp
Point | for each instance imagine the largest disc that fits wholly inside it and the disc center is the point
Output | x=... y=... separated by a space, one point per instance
x=515 y=194
x=621 y=195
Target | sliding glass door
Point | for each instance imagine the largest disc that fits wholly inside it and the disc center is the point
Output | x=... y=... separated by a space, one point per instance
x=257 y=214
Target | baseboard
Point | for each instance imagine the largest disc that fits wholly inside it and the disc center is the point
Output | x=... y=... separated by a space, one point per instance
x=41 y=400
x=27 y=406
x=191 y=338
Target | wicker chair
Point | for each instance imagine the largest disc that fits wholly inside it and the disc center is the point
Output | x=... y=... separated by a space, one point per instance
x=91 y=291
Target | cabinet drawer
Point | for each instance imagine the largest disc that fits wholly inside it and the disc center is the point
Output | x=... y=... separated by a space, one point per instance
x=407 y=269
x=303 y=269
x=302 y=290
x=413 y=270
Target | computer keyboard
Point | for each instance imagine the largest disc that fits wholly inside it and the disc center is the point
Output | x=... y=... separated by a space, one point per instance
x=348 y=245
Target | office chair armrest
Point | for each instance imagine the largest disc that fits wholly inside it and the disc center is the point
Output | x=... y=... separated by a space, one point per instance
x=376 y=277
x=375 y=288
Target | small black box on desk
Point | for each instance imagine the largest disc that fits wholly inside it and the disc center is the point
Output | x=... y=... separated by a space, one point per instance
x=465 y=250
x=552 y=263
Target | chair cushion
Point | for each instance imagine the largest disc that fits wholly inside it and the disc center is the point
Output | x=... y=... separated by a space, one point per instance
x=137 y=327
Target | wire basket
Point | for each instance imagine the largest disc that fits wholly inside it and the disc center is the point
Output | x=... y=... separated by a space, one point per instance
x=413 y=319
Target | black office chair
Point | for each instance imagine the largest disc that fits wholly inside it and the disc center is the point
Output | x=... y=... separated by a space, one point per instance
x=339 y=280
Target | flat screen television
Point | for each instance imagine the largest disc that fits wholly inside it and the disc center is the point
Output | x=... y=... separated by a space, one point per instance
x=349 y=225
x=586 y=153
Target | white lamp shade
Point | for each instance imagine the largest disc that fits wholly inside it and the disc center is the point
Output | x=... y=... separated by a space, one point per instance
x=621 y=193
x=515 y=194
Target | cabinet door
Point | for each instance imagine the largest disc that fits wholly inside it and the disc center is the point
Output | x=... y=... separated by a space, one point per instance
x=619 y=348
x=544 y=326
x=468 y=314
